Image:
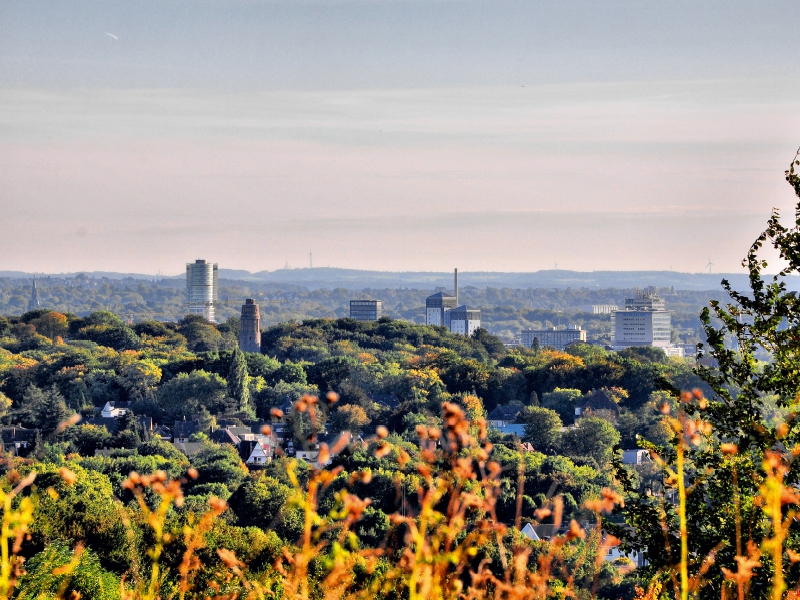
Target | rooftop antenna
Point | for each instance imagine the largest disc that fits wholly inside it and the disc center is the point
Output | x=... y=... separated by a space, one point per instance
x=709 y=265
x=456 y=285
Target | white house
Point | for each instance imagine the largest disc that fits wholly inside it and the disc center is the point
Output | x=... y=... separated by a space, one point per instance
x=636 y=457
x=258 y=456
x=529 y=532
x=637 y=559
x=111 y=412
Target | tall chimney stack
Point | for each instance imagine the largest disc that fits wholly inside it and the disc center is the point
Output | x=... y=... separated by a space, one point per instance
x=456 y=285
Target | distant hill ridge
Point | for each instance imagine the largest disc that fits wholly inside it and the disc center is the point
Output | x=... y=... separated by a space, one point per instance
x=329 y=278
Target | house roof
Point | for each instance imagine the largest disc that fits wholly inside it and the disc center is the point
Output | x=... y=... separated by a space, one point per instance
x=117 y=404
x=225 y=436
x=110 y=423
x=529 y=532
x=504 y=412
x=189 y=448
x=599 y=400
x=464 y=308
x=440 y=295
x=240 y=431
x=17 y=434
x=185 y=428
x=389 y=400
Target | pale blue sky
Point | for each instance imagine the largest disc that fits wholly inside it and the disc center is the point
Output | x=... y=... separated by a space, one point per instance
x=393 y=135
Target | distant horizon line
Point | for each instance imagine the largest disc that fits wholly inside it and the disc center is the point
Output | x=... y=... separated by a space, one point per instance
x=15 y=273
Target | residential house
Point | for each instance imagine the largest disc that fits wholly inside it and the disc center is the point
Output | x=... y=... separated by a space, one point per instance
x=225 y=436
x=15 y=438
x=596 y=401
x=114 y=410
x=517 y=429
x=162 y=432
x=110 y=423
x=389 y=400
x=261 y=454
x=183 y=430
x=636 y=457
x=189 y=448
x=502 y=415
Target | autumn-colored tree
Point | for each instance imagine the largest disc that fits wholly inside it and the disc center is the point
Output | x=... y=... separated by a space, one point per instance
x=349 y=417
x=51 y=325
x=473 y=407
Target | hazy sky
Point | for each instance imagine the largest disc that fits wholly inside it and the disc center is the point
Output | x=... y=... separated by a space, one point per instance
x=393 y=135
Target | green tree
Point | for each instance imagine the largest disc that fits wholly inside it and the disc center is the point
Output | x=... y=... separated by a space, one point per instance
x=542 y=427
x=593 y=437
x=349 y=417
x=128 y=434
x=220 y=464
x=239 y=381
x=51 y=411
x=563 y=401
x=259 y=503
x=88 y=438
x=188 y=393
x=85 y=511
x=765 y=317
x=201 y=336
x=87 y=579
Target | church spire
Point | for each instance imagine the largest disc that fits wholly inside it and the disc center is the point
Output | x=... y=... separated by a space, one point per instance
x=33 y=303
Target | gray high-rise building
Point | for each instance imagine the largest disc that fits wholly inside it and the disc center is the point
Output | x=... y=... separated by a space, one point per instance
x=437 y=309
x=250 y=333
x=644 y=322
x=464 y=320
x=202 y=289
x=552 y=337
x=366 y=310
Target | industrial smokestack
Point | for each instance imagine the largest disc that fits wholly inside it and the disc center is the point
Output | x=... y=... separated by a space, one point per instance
x=456 y=285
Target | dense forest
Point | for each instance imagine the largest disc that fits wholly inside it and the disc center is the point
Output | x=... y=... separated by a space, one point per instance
x=389 y=375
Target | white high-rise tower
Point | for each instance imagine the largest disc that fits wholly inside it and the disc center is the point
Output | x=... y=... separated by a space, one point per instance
x=201 y=288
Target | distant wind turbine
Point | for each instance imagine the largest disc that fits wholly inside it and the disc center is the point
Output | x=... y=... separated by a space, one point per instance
x=111 y=35
x=709 y=265
x=555 y=266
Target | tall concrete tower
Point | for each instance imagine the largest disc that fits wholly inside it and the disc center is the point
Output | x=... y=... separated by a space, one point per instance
x=202 y=288
x=250 y=334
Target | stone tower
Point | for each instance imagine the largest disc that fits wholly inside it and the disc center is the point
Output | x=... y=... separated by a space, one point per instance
x=250 y=334
x=33 y=303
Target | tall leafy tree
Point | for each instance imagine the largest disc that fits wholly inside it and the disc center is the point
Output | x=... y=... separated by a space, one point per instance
x=542 y=427
x=50 y=410
x=763 y=322
x=239 y=381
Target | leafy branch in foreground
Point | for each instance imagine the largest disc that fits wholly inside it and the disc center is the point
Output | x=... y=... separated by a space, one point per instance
x=765 y=321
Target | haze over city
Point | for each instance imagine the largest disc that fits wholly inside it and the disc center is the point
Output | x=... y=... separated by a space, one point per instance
x=502 y=136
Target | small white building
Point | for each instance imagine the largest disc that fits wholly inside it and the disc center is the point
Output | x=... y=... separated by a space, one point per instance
x=311 y=457
x=636 y=456
x=636 y=559
x=258 y=456
x=110 y=411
